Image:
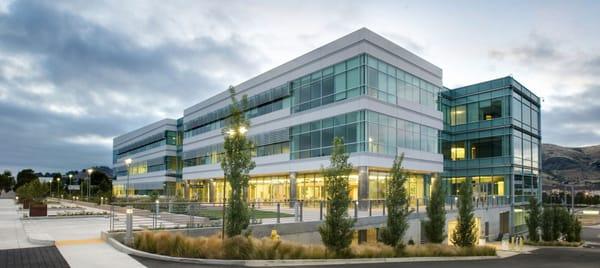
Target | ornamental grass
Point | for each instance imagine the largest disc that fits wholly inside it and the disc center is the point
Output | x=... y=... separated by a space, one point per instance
x=251 y=248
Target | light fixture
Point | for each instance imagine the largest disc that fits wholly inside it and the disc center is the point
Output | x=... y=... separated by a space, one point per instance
x=90 y=170
x=128 y=161
x=243 y=130
x=231 y=132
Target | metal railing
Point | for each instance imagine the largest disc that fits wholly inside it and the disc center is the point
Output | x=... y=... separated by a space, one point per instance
x=170 y=214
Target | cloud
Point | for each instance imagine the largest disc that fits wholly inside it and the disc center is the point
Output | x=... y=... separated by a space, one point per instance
x=575 y=121
x=537 y=49
x=68 y=83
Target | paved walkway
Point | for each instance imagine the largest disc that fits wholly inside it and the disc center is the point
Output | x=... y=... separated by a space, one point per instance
x=12 y=234
x=32 y=257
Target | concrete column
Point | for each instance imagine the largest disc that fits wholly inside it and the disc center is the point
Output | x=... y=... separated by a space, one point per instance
x=211 y=191
x=186 y=190
x=293 y=194
x=363 y=188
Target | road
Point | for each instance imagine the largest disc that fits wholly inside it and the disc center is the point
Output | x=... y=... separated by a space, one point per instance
x=545 y=257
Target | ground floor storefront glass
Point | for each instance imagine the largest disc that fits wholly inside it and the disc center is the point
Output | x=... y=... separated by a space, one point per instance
x=145 y=189
x=307 y=187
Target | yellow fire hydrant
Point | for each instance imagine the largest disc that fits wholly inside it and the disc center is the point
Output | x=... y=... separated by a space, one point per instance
x=274 y=235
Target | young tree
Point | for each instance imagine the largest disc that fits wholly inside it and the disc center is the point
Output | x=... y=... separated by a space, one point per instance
x=237 y=164
x=547 y=224
x=336 y=232
x=397 y=205
x=557 y=220
x=436 y=212
x=464 y=235
x=533 y=220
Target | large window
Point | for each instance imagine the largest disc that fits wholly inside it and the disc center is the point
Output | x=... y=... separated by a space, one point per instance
x=490 y=109
x=390 y=84
x=487 y=147
x=334 y=83
x=315 y=138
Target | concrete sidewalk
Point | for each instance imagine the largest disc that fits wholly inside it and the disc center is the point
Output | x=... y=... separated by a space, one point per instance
x=12 y=234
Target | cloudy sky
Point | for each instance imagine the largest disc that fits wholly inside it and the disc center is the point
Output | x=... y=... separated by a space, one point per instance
x=74 y=74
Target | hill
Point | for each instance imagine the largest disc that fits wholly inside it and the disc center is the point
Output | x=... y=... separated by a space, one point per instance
x=580 y=165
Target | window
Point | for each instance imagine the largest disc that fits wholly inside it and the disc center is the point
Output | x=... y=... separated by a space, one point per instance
x=457 y=152
x=458 y=115
x=473 y=112
x=516 y=109
x=487 y=147
x=490 y=109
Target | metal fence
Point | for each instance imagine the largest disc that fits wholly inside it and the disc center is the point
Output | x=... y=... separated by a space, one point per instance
x=170 y=214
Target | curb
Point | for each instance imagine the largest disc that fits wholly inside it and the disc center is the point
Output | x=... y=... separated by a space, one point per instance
x=65 y=217
x=41 y=239
x=298 y=262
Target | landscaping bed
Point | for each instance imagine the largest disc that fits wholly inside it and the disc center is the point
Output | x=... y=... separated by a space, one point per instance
x=554 y=244
x=250 y=248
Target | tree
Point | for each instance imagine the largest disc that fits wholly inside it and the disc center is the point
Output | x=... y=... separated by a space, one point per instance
x=7 y=181
x=557 y=220
x=464 y=235
x=25 y=176
x=237 y=164
x=336 y=231
x=533 y=220
x=547 y=224
x=397 y=205
x=34 y=190
x=436 y=212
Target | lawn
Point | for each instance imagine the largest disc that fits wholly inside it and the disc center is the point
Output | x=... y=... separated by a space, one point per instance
x=217 y=214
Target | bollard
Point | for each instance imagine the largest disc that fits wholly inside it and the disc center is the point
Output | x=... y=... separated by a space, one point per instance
x=301 y=212
x=296 y=211
x=370 y=208
x=383 y=208
x=129 y=226
x=356 y=209
x=252 y=216
x=321 y=210
x=417 y=206
x=278 y=213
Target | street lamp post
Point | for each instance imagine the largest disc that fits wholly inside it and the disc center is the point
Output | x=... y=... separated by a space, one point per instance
x=70 y=183
x=127 y=163
x=89 y=171
x=57 y=187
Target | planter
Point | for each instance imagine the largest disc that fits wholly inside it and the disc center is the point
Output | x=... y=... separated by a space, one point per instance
x=38 y=210
x=25 y=202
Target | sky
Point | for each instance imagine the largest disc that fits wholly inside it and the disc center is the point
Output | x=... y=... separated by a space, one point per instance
x=75 y=74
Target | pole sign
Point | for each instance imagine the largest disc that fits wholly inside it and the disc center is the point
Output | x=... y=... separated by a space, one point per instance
x=74 y=187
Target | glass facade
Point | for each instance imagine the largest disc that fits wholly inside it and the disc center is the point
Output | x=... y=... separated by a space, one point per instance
x=334 y=83
x=391 y=84
x=491 y=138
x=362 y=131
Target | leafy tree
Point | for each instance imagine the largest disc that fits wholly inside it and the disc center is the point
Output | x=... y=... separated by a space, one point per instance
x=547 y=224
x=7 y=181
x=336 y=231
x=237 y=164
x=34 y=190
x=576 y=229
x=436 y=212
x=464 y=235
x=397 y=205
x=25 y=176
x=533 y=220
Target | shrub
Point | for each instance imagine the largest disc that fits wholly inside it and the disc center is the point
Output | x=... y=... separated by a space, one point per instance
x=533 y=220
x=547 y=224
x=250 y=248
x=436 y=212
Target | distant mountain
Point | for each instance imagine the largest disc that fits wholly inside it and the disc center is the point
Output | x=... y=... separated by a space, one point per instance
x=573 y=165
